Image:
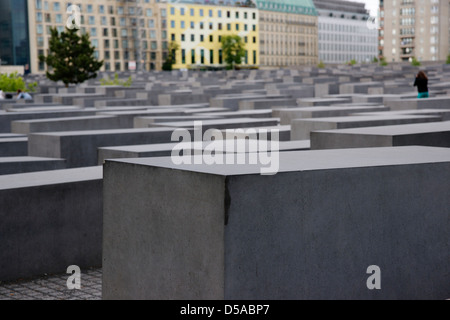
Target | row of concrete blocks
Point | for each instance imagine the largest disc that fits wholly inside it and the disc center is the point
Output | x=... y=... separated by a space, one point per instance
x=376 y=206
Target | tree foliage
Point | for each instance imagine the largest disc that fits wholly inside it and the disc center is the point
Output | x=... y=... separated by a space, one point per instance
x=233 y=49
x=14 y=82
x=415 y=62
x=171 y=56
x=71 y=57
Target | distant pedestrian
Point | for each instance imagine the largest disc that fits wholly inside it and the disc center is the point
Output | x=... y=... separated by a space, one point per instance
x=23 y=95
x=422 y=85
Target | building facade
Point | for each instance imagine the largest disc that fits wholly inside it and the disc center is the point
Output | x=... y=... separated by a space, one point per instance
x=344 y=34
x=198 y=30
x=136 y=34
x=414 y=29
x=125 y=33
x=288 y=33
x=14 y=36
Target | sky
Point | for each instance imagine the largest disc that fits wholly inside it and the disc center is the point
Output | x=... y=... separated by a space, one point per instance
x=371 y=5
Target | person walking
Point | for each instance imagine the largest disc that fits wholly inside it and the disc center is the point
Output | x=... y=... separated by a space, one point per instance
x=422 y=85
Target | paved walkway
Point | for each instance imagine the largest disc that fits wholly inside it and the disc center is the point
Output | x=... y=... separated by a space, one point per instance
x=54 y=287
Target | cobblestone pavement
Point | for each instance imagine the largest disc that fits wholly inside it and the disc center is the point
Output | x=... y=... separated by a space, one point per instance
x=54 y=287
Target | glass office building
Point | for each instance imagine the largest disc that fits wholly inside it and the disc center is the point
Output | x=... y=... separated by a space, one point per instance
x=14 y=35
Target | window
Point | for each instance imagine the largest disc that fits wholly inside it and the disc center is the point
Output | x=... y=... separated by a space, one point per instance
x=192 y=13
x=211 y=56
x=211 y=38
x=202 y=56
x=38 y=16
x=193 y=56
x=201 y=38
x=172 y=11
x=192 y=37
x=56 y=6
x=149 y=12
x=201 y=12
x=183 y=56
x=220 y=56
x=182 y=11
x=183 y=25
x=58 y=18
x=172 y=24
x=210 y=13
x=39 y=4
x=89 y=8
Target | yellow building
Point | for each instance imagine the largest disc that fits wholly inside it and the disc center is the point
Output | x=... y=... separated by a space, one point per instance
x=199 y=28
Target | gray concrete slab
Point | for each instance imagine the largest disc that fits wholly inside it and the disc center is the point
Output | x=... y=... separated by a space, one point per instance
x=423 y=134
x=97 y=122
x=215 y=236
x=13 y=165
x=301 y=128
x=50 y=220
x=79 y=148
x=220 y=124
x=13 y=146
x=287 y=115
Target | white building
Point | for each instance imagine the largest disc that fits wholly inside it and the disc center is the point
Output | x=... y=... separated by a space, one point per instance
x=344 y=33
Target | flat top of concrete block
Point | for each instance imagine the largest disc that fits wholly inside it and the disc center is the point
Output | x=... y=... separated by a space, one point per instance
x=102 y=132
x=367 y=118
x=27 y=159
x=403 y=129
x=241 y=112
x=41 y=178
x=284 y=145
x=12 y=135
x=311 y=160
x=212 y=122
x=209 y=109
x=331 y=108
x=41 y=109
x=81 y=118
x=13 y=139
x=404 y=112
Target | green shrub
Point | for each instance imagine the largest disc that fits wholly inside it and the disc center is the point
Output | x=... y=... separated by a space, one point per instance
x=383 y=62
x=415 y=62
x=13 y=82
x=448 y=59
x=321 y=65
x=116 y=81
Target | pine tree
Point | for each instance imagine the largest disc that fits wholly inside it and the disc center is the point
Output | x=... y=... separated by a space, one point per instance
x=71 y=57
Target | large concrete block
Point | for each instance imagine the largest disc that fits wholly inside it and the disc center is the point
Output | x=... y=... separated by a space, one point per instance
x=430 y=103
x=301 y=234
x=50 y=220
x=98 y=122
x=13 y=146
x=13 y=165
x=423 y=134
x=79 y=148
x=301 y=128
x=287 y=115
